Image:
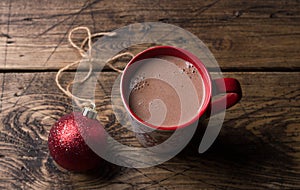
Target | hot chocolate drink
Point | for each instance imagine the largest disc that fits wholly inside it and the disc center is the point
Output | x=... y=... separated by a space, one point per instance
x=166 y=91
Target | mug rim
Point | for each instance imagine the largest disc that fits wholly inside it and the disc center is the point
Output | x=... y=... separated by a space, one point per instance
x=185 y=55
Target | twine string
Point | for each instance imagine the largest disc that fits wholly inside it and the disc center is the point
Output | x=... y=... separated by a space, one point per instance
x=85 y=54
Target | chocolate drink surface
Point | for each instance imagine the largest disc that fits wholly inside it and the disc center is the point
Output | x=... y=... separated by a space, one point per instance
x=166 y=91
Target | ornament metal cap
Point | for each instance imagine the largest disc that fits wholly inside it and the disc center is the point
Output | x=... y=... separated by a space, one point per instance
x=89 y=113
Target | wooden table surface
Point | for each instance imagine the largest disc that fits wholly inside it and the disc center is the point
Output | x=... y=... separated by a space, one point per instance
x=257 y=42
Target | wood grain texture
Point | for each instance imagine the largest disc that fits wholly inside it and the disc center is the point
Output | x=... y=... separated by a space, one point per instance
x=258 y=147
x=241 y=34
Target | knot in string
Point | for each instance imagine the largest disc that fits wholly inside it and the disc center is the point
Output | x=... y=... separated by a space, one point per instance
x=86 y=54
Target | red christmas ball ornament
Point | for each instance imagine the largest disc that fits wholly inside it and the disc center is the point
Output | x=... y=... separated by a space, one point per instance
x=66 y=141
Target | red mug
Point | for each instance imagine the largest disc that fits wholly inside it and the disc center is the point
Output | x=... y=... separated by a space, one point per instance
x=150 y=135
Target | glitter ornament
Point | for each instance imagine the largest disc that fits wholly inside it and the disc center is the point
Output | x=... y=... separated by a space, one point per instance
x=67 y=145
x=68 y=136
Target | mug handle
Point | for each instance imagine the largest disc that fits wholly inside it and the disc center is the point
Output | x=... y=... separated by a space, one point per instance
x=233 y=91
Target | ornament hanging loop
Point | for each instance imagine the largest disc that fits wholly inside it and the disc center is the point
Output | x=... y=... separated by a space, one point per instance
x=81 y=102
x=80 y=49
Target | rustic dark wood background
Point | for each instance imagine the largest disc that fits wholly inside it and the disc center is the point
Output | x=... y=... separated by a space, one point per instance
x=257 y=42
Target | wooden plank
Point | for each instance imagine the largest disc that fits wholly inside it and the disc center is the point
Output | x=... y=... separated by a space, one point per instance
x=241 y=34
x=258 y=146
x=4 y=37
